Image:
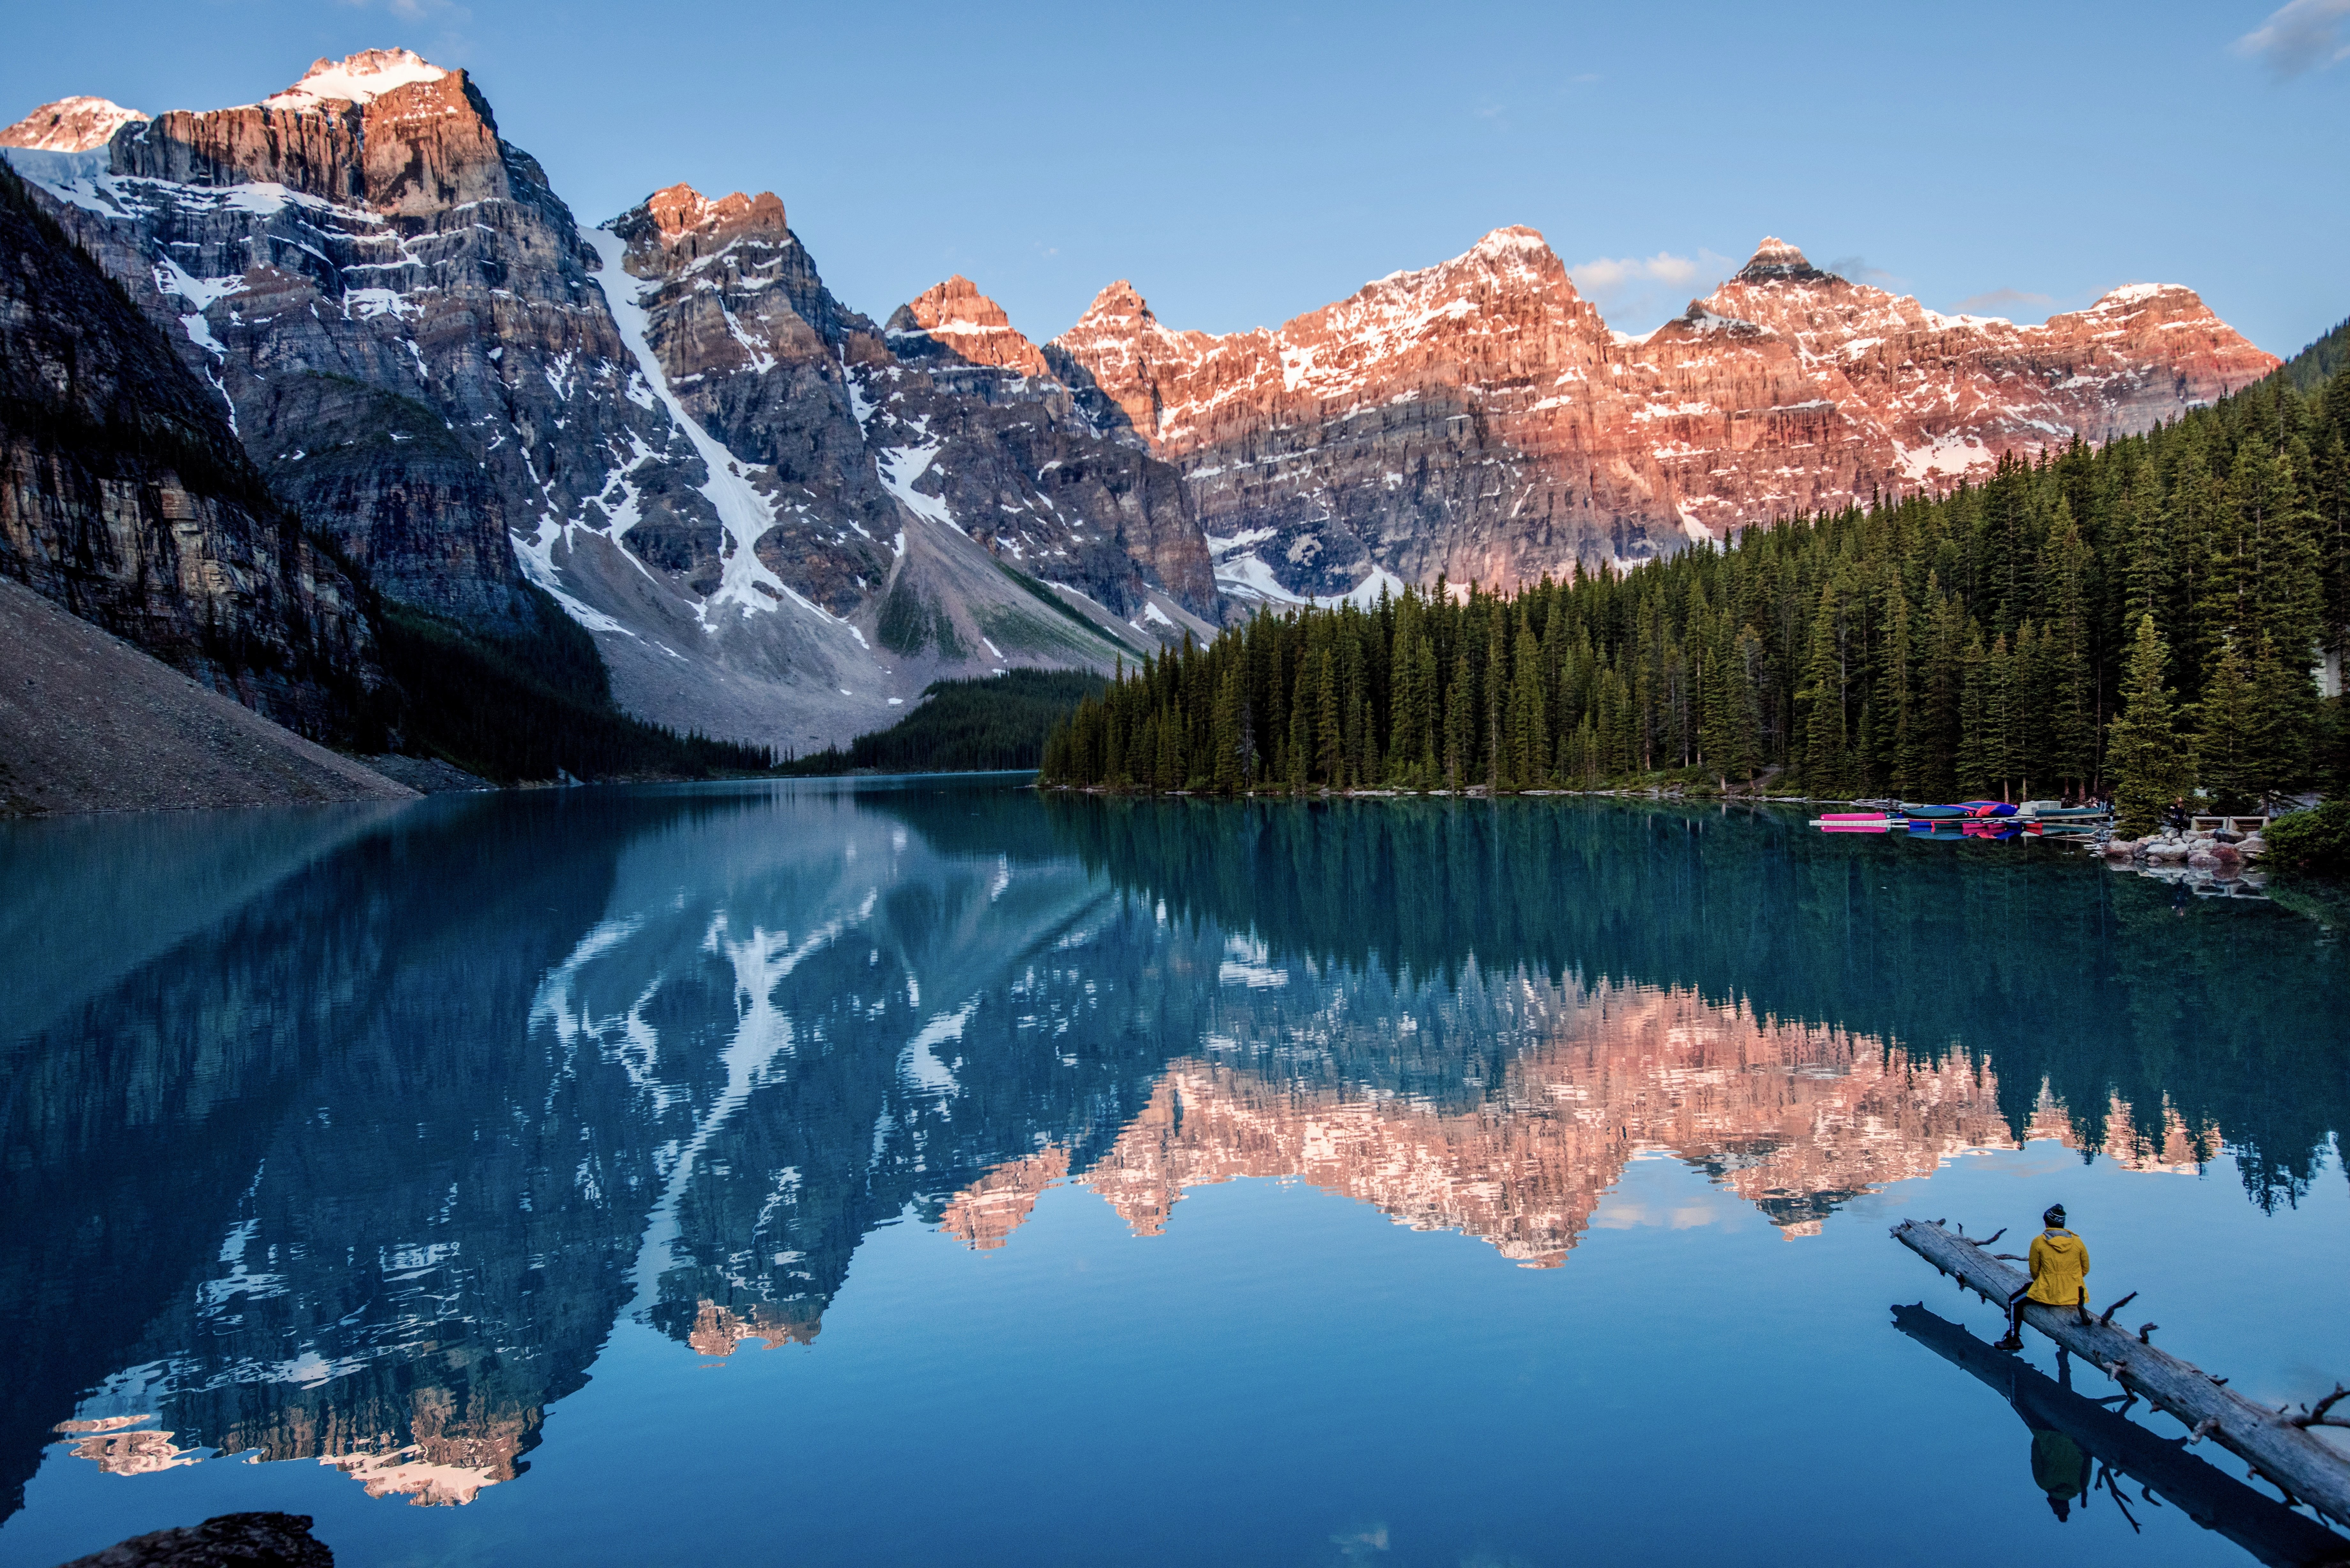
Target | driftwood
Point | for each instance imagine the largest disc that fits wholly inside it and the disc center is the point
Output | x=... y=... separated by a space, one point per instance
x=2279 y=1444
x=2259 y=1524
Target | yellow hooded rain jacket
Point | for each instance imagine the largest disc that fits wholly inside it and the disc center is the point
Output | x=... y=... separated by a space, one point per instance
x=2060 y=1268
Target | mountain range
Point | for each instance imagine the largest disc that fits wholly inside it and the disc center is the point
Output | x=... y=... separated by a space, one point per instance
x=780 y=522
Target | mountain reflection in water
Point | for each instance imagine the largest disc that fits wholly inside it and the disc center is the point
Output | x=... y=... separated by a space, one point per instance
x=364 y=1165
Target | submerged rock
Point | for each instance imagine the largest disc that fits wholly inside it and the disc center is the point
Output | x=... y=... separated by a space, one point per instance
x=227 y=1540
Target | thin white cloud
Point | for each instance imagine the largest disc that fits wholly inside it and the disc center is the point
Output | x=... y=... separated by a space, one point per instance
x=1605 y=275
x=2299 y=37
x=1640 y=291
x=2015 y=304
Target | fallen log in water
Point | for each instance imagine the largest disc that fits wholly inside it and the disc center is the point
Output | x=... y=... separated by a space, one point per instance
x=2259 y=1524
x=2279 y=1444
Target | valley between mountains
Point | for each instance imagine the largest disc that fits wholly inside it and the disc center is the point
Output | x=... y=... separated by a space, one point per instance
x=410 y=381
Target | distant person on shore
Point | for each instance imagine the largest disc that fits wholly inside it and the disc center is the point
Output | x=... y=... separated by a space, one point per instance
x=2174 y=815
x=2060 y=1276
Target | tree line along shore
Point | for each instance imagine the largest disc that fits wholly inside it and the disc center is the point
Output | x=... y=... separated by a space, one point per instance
x=2162 y=614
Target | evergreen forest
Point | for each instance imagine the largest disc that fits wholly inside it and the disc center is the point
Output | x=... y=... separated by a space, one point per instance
x=991 y=721
x=2141 y=619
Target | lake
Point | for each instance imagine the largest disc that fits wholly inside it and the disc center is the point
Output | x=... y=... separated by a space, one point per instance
x=932 y=1172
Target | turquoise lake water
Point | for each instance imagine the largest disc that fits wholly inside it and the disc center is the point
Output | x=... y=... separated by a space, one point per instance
x=934 y=1173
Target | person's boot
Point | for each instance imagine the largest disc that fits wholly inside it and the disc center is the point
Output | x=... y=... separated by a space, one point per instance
x=2012 y=1341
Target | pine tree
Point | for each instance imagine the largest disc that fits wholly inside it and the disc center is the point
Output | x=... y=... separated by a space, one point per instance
x=1899 y=741
x=1495 y=694
x=1741 y=730
x=1460 y=726
x=1299 y=749
x=1823 y=697
x=1329 y=736
x=1977 y=749
x=1422 y=758
x=2061 y=688
x=2224 y=742
x=1228 y=778
x=2150 y=763
x=1529 y=723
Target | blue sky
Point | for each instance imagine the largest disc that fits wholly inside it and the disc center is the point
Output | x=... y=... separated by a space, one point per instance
x=1243 y=162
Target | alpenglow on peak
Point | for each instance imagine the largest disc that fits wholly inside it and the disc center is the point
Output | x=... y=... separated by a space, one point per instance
x=70 y=125
x=681 y=209
x=356 y=79
x=1776 y=261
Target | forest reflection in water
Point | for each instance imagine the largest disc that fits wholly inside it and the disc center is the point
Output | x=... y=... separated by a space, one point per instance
x=364 y=1161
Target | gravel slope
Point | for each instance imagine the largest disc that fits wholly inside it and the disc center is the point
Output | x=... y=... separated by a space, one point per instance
x=88 y=722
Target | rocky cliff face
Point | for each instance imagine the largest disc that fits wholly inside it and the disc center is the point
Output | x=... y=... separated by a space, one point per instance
x=1015 y=456
x=404 y=368
x=654 y=420
x=1479 y=419
x=126 y=497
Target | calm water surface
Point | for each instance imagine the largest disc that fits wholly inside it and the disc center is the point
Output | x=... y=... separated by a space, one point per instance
x=816 y=1173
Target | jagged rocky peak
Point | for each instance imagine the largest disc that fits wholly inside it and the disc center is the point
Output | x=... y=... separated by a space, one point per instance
x=71 y=125
x=383 y=128
x=681 y=214
x=1776 y=261
x=1515 y=245
x=1118 y=303
x=2169 y=301
x=958 y=317
x=360 y=79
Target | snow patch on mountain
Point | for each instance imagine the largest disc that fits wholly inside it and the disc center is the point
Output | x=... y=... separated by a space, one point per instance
x=71 y=125
x=356 y=79
x=747 y=584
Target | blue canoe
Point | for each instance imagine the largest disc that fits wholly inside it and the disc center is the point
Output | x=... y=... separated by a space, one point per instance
x=1965 y=811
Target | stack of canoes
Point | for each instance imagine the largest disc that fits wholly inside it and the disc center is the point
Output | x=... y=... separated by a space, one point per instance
x=1971 y=819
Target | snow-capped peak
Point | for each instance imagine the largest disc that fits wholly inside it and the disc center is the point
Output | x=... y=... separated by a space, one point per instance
x=1774 y=261
x=1515 y=239
x=70 y=125
x=2131 y=294
x=356 y=79
x=1118 y=302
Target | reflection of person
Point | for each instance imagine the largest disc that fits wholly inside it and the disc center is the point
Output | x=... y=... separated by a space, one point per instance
x=2059 y=1468
x=2060 y=1276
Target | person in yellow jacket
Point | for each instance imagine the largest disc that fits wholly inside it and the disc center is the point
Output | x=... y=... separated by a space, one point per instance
x=2060 y=1276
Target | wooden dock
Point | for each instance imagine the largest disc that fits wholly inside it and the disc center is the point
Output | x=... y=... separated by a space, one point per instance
x=2278 y=1443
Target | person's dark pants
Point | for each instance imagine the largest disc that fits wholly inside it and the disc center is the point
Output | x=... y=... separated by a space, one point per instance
x=2015 y=1311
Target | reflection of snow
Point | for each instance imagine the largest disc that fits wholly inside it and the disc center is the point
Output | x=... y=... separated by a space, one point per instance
x=920 y=1059
x=1249 y=963
x=422 y=1483
x=135 y=1453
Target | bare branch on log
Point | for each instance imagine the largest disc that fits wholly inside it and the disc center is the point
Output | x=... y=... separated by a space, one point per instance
x=2145 y=1329
x=2106 y=1320
x=2317 y=1415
